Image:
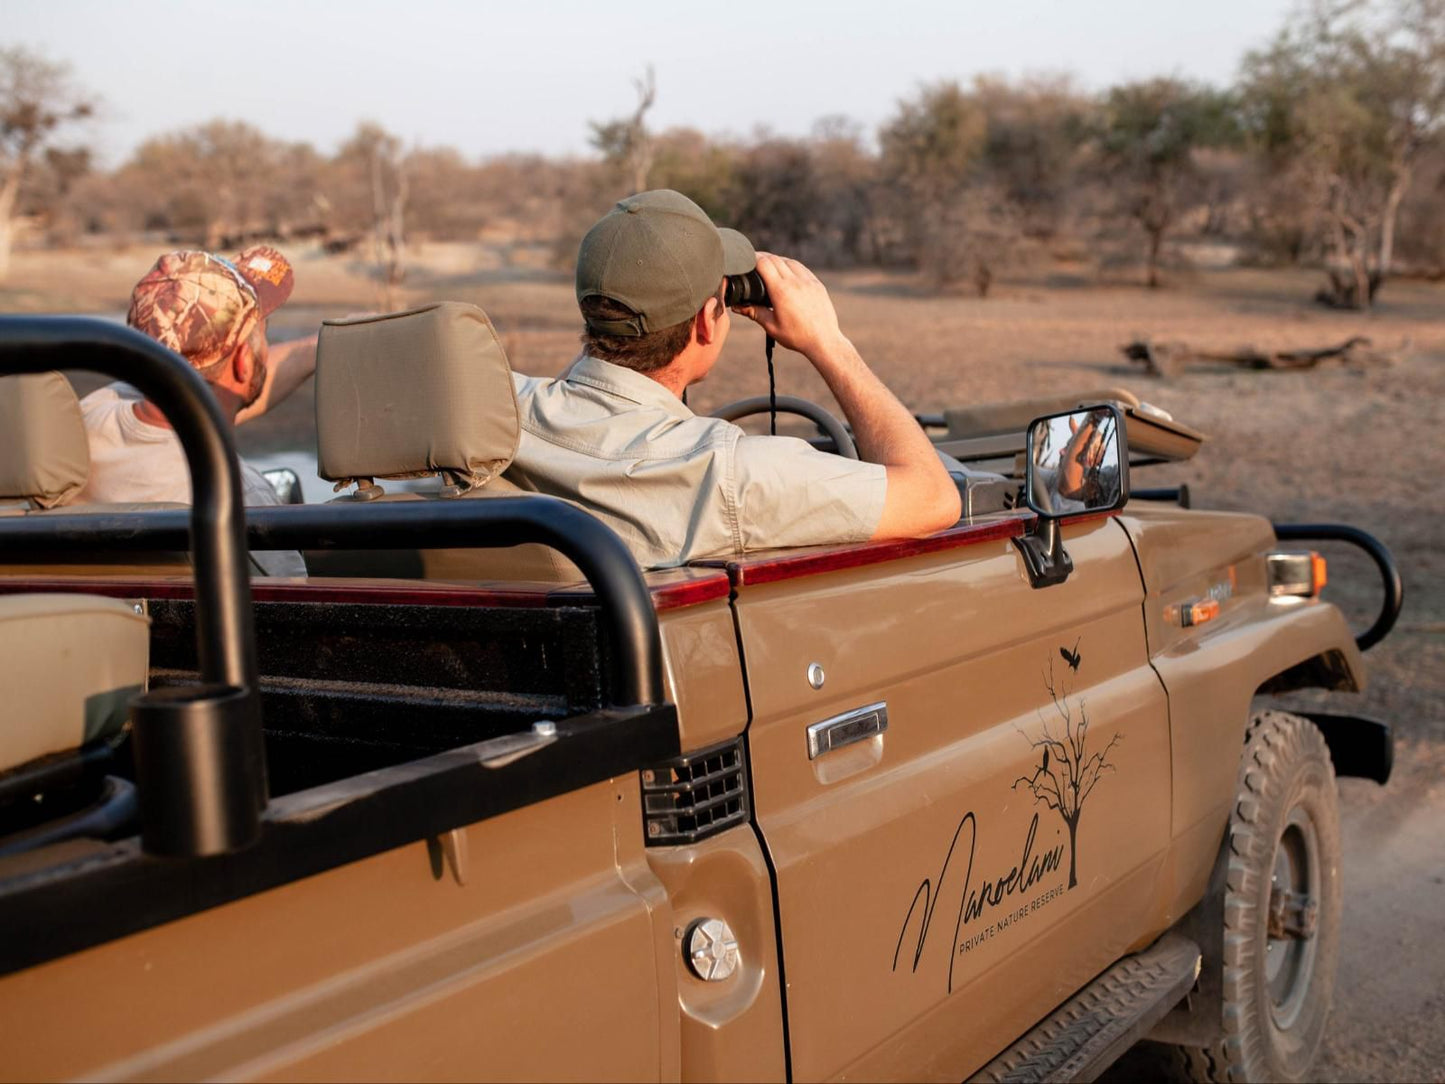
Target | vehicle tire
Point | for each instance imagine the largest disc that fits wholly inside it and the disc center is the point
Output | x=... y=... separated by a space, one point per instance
x=1284 y=857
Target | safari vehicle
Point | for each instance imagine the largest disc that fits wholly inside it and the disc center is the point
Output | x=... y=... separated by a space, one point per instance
x=479 y=799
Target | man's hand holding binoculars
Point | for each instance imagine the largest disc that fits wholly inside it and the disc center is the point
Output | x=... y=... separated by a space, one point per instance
x=800 y=315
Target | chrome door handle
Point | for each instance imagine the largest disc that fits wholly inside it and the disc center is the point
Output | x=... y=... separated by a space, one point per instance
x=852 y=726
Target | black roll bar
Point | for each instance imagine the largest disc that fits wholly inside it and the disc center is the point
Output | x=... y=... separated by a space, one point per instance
x=628 y=616
x=225 y=641
x=199 y=755
x=1377 y=552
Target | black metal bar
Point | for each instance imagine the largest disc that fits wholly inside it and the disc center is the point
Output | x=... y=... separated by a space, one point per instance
x=628 y=615
x=37 y=344
x=1178 y=494
x=1377 y=551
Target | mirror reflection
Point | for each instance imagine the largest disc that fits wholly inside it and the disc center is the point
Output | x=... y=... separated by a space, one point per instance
x=285 y=482
x=1074 y=462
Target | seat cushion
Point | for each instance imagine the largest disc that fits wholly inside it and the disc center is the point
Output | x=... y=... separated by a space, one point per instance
x=44 y=452
x=69 y=666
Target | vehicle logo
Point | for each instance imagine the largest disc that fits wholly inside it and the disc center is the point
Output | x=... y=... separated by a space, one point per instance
x=1067 y=773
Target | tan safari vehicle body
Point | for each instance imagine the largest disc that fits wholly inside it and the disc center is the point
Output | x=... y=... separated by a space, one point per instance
x=895 y=810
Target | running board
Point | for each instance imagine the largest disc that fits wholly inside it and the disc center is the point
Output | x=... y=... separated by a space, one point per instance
x=1089 y=1032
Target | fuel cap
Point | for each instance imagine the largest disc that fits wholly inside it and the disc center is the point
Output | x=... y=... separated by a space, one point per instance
x=712 y=950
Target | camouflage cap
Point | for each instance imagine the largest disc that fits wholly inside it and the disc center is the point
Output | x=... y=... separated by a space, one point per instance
x=659 y=254
x=203 y=306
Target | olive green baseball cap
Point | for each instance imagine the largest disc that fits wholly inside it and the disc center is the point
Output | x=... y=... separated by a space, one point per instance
x=659 y=254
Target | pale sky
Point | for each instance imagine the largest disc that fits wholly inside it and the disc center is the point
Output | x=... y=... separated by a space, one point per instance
x=488 y=77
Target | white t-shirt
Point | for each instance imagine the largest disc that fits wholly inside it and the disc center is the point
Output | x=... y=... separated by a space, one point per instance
x=134 y=462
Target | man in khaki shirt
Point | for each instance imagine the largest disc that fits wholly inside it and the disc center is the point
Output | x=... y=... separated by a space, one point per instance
x=613 y=433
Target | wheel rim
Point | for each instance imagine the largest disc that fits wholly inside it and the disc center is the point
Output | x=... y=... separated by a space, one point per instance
x=1294 y=889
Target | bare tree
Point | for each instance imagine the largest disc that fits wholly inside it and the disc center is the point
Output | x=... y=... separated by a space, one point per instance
x=36 y=99
x=933 y=164
x=369 y=187
x=1148 y=139
x=1350 y=97
x=1067 y=773
x=212 y=182
x=846 y=177
x=626 y=142
x=1038 y=128
x=388 y=204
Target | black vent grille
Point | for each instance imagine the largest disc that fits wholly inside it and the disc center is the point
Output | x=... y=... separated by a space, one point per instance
x=696 y=795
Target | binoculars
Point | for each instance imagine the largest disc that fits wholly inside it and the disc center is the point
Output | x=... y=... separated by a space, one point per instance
x=746 y=289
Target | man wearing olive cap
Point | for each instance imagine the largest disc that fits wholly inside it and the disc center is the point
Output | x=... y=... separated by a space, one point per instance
x=613 y=432
x=212 y=311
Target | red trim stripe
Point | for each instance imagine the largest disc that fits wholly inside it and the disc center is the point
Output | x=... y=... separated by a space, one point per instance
x=704 y=581
x=700 y=585
x=751 y=571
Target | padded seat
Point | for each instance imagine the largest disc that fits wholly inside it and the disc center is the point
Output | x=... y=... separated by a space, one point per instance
x=44 y=452
x=69 y=666
x=45 y=462
x=417 y=394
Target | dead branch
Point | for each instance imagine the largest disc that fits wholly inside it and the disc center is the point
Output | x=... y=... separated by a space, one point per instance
x=1168 y=358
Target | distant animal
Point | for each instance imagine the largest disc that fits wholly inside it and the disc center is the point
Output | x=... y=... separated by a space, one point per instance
x=1071 y=657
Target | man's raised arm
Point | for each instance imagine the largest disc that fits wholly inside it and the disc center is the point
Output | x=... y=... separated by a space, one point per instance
x=288 y=366
x=921 y=497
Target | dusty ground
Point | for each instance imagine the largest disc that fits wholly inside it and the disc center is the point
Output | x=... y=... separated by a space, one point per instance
x=1351 y=445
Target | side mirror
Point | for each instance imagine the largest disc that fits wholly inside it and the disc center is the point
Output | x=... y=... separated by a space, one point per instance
x=1077 y=463
x=286 y=483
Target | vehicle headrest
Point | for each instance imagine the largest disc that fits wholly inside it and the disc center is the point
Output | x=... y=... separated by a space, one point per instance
x=415 y=393
x=44 y=453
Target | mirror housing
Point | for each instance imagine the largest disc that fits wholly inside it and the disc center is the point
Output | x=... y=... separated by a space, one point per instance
x=1077 y=463
x=286 y=483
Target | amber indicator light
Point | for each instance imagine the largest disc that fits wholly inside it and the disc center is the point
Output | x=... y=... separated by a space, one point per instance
x=1206 y=609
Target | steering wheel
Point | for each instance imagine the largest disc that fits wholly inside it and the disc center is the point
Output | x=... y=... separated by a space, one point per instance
x=832 y=428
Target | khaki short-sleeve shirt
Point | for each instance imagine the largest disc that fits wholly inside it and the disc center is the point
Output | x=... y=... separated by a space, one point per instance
x=677 y=487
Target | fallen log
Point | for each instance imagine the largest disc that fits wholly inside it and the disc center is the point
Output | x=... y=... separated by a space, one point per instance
x=1167 y=358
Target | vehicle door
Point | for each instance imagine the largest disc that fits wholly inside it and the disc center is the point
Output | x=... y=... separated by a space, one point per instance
x=945 y=881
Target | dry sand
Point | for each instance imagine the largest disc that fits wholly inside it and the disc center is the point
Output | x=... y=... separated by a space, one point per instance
x=1360 y=446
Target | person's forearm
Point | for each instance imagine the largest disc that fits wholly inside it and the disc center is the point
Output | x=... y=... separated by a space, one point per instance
x=921 y=497
x=883 y=428
x=288 y=366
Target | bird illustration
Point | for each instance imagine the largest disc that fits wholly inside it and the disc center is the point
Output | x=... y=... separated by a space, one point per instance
x=1045 y=767
x=1071 y=657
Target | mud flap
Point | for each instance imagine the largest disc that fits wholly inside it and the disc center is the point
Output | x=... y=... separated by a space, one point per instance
x=1359 y=747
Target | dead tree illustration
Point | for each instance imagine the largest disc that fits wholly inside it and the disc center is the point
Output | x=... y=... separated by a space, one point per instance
x=1067 y=772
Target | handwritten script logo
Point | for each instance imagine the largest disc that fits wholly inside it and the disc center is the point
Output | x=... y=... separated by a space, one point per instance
x=974 y=902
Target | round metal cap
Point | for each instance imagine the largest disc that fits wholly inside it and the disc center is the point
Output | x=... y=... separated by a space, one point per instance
x=816 y=677
x=712 y=950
